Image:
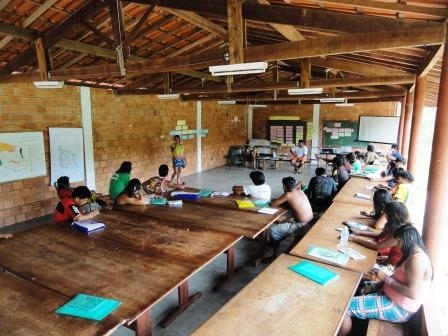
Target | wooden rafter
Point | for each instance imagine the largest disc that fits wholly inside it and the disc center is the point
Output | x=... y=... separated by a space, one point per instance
x=50 y=39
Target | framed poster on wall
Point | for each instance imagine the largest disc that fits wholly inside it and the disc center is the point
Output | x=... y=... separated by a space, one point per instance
x=22 y=155
x=66 y=153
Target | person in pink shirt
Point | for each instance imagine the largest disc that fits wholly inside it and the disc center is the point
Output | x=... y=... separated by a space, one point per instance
x=397 y=297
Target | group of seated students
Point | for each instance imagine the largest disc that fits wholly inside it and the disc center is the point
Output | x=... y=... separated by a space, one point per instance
x=81 y=204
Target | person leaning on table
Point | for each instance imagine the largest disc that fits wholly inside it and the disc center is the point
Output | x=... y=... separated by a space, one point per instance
x=395 y=298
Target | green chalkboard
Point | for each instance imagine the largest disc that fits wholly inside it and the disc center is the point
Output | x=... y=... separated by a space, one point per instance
x=341 y=133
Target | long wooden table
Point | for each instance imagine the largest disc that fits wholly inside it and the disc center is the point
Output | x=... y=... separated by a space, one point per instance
x=195 y=246
x=356 y=185
x=281 y=302
x=28 y=309
x=241 y=222
x=68 y=262
x=324 y=234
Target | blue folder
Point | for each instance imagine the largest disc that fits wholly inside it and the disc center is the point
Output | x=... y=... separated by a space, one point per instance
x=315 y=272
x=89 y=307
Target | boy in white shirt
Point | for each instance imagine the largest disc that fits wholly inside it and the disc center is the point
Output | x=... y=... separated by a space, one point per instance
x=257 y=190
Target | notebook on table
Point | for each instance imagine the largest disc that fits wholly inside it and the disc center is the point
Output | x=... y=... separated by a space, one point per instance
x=244 y=204
x=88 y=226
x=158 y=201
x=323 y=253
x=205 y=192
x=315 y=272
x=89 y=307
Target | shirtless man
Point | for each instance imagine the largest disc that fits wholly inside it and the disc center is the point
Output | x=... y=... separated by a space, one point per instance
x=300 y=214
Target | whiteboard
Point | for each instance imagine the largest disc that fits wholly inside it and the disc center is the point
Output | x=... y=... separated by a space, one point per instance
x=378 y=129
x=66 y=153
x=22 y=155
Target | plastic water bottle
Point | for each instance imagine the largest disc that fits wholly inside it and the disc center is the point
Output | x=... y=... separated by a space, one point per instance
x=344 y=236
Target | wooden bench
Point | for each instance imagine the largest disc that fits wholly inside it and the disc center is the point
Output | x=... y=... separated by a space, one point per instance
x=384 y=328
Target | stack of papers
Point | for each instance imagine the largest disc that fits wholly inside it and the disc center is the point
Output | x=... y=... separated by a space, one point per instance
x=317 y=273
x=355 y=255
x=363 y=196
x=175 y=204
x=220 y=193
x=335 y=257
x=268 y=211
x=89 y=307
x=356 y=225
x=88 y=226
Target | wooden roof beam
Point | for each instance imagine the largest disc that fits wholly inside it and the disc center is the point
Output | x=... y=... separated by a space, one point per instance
x=52 y=37
x=293 y=15
x=348 y=43
x=437 y=13
x=235 y=31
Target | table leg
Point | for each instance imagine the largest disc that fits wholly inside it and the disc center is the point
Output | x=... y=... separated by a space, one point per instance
x=142 y=325
x=184 y=302
x=230 y=268
x=264 y=244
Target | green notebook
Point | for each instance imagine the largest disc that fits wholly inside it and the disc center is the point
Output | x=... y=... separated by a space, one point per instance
x=261 y=203
x=158 y=201
x=89 y=307
x=317 y=273
x=205 y=192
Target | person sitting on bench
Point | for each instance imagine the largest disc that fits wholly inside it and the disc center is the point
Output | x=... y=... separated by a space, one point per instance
x=299 y=155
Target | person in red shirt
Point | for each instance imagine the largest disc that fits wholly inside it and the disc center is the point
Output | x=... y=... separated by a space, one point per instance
x=67 y=208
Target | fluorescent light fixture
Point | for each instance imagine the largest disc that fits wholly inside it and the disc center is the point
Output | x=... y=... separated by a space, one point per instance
x=226 y=102
x=258 y=105
x=167 y=96
x=344 y=104
x=332 y=100
x=49 y=84
x=238 y=69
x=305 y=91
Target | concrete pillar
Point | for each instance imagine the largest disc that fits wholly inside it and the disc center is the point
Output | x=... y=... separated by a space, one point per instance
x=417 y=117
x=435 y=221
x=198 y=137
x=86 y=111
x=407 y=123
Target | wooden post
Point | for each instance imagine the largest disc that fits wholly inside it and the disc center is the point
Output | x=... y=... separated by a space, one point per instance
x=400 y=131
x=416 y=127
x=407 y=124
x=436 y=220
x=235 y=30
x=41 y=59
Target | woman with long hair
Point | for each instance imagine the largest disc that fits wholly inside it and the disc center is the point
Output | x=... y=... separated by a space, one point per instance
x=395 y=298
x=396 y=214
x=380 y=198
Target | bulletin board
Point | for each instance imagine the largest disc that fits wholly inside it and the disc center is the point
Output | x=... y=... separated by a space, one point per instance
x=341 y=133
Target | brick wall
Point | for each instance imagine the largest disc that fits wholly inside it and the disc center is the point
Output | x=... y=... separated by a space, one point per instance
x=327 y=112
x=134 y=128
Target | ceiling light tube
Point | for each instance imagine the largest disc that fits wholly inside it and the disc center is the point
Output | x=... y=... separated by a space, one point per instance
x=167 y=96
x=226 y=102
x=305 y=91
x=238 y=69
x=332 y=100
x=48 y=84
x=258 y=105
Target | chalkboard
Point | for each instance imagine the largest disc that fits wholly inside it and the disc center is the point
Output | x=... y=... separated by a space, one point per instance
x=341 y=133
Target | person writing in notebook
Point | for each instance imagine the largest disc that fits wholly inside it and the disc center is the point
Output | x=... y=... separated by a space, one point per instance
x=68 y=208
x=258 y=190
x=395 y=298
x=131 y=194
x=299 y=216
